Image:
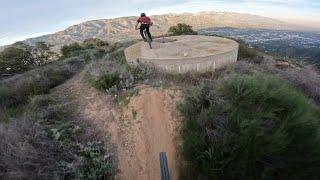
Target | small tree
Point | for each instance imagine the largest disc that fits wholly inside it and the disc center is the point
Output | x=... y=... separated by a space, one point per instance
x=182 y=29
x=41 y=53
x=16 y=59
x=20 y=57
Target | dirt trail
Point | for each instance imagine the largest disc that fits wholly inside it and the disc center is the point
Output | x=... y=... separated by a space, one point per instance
x=140 y=131
x=151 y=127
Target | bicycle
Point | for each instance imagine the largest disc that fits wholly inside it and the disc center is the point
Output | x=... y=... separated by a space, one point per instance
x=147 y=38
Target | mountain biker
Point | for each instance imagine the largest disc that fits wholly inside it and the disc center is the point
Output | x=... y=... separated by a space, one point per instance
x=145 y=22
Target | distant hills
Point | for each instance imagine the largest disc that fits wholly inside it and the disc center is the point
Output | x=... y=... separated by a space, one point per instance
x=301 y=46
x=119 y=29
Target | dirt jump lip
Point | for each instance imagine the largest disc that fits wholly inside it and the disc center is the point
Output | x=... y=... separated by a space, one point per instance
x=184 y=52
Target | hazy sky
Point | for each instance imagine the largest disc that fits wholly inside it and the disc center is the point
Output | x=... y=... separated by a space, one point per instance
x=20 y=19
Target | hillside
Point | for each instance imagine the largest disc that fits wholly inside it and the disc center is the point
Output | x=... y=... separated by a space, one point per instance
x=122 y=28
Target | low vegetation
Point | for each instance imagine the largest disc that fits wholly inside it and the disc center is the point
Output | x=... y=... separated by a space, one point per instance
x=251 y=127
x=111 y=73
x=239 y=122
x=17 y=90
x=94 y=43
x=48 y=143
x=107 y=81
x=93 y=46
x=70 y=50
x=42 y=137
x=181 y=29
x=306 y=79
x=247 y=53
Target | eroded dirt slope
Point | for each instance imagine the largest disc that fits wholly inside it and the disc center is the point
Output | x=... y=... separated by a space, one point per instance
x=140 y=131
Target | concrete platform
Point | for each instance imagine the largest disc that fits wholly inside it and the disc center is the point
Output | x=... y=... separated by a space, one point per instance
x=182 y=54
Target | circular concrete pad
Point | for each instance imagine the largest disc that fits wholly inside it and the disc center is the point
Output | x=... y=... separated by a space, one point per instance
x=181 y=54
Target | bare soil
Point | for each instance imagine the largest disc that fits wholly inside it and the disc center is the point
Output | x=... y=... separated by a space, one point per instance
x=150 y=126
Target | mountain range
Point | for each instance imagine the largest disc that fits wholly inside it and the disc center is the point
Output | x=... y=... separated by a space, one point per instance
x=120 y=29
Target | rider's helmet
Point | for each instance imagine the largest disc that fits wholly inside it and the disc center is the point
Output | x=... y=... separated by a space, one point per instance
x=143 y=14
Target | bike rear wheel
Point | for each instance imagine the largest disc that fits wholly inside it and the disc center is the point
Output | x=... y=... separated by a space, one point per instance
x=147 y=38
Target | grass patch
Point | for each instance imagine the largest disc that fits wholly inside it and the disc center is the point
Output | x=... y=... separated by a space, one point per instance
x=250 y=127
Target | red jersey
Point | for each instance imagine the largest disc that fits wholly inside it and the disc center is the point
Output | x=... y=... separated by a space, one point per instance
x=144 y=20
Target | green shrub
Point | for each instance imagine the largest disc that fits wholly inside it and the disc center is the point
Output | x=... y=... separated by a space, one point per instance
x=5 y=95
x=181 y=29
x=246 y=52
x=107 y=81
x=94 y=43
x=251 y=127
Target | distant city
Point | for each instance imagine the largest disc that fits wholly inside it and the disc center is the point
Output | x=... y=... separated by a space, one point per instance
x=289 y=44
